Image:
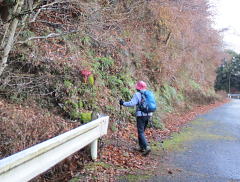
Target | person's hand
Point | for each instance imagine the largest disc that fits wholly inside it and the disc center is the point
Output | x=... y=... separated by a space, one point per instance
x=121 y=102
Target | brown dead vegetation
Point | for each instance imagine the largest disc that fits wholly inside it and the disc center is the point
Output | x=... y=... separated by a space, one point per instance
x=161 y=42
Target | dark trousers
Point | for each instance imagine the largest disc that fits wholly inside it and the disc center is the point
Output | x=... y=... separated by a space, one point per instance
x=142 y=122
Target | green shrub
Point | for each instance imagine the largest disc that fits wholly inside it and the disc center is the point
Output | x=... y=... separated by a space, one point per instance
x=156 y=123
x=68 y=84
x=103 y=63
x=86 y=40
x=126 y=93
x=114 y=82
x=169 y=98
x=75 y=114
x=194 y=85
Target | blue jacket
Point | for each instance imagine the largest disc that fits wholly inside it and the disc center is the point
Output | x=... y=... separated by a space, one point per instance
x=136 y=99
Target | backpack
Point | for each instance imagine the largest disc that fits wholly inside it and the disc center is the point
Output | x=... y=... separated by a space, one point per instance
x=148 y=102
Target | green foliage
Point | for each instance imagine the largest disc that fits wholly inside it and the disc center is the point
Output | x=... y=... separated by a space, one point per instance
x=228 y=75
x=114 y=82
x=80 y=104
x=86 y=40
x=17 y=97
x=231 y=53
x=103 y=63
x=68 y=84
x=110 y=108
x=75 y=114
x=168 y=97
x=194 y=85
x=79 y=98
x=27 y=33
x=72 y=36
x=114 y=127
x=127 y=79
x=9 y=2
x=126 y=93
x=101 y=67
x=127 y=88
x=156 y=123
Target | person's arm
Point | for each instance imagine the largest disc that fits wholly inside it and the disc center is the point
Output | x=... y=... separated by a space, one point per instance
x=133 y=102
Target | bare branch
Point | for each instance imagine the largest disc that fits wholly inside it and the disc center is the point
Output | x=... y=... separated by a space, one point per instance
x=51 y=35
x=43 y=7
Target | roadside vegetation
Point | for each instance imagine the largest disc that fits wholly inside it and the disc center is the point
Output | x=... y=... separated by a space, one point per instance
x=228 y=74
x=64 y=62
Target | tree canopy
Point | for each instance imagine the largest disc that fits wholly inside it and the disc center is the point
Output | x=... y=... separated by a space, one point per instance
x=228 y=74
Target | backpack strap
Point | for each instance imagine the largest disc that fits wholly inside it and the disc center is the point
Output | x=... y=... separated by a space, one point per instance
x=142 y=97
x=139 y=102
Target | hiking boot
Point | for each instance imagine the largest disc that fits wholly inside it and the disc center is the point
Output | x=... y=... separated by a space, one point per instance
x=146 y=151
x=139 y=149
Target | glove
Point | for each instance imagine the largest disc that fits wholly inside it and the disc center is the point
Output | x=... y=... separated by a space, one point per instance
x=121 y=102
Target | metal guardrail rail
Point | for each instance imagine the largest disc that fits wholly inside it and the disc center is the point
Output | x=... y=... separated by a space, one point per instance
x=29 y=163
x=234 y=96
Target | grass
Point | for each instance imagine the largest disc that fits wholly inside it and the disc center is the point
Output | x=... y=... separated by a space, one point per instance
x=94 y=165
x=135 y=177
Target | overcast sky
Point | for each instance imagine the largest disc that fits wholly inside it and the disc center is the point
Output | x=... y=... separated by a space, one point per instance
x=227 y=17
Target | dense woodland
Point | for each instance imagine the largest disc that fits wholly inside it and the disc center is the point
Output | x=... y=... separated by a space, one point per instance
x=228 y=74
x=61 y=62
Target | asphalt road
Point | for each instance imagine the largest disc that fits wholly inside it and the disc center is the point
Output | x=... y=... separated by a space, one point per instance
x=209 y=150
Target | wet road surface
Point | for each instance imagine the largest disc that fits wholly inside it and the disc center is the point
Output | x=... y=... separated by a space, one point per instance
x=210 y=151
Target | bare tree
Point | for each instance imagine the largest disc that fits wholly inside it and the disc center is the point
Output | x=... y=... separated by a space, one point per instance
x=22 y=10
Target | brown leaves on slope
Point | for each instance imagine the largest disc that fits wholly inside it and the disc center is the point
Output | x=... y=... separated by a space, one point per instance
x=23 y=126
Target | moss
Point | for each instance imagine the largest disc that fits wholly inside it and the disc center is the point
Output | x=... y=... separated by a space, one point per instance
x=86 y=117
x=177 y=140
x=156 y=147
x=91 y=166
x=134 y=177
x=94 y=165
x=202 y=123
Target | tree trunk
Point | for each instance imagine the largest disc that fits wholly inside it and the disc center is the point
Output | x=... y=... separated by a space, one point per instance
x=10 y=37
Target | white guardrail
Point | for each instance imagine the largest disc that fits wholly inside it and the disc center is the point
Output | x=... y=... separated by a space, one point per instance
x=234 y=96
x=35 y=160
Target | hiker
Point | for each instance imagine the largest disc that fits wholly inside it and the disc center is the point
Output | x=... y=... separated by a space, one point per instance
x=142 y=118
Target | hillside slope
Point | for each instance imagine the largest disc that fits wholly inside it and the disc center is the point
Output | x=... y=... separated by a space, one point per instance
x=77 y=58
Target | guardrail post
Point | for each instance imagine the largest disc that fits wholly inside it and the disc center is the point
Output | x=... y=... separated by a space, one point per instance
x=94 y=149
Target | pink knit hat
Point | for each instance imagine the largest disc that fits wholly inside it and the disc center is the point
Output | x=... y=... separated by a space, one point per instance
x=141 y=85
